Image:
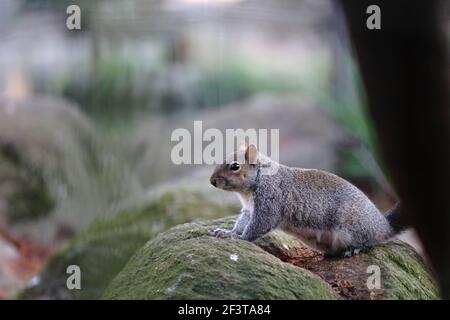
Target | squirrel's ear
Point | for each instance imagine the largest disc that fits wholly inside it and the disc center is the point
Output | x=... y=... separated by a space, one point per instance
x=251 y=154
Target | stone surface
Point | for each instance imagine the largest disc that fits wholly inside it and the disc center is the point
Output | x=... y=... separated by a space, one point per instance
x=104 y=248
x=187 y=263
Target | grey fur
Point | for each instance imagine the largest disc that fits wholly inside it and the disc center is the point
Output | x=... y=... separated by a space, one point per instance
x=325 y=211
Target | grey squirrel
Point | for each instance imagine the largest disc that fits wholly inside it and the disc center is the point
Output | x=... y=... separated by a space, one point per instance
x=323 y=210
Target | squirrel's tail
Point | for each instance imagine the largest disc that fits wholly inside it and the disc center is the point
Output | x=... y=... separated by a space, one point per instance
x=395 y=219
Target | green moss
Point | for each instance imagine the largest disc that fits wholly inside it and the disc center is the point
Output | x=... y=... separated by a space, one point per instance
x=186 y=263
x=23 y=187
x=404 y=273
x=103 y=249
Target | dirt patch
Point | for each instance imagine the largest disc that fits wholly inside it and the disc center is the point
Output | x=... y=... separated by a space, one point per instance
x=347 y=276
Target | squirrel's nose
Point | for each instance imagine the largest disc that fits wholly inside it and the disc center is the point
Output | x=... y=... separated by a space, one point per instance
x=213 y=181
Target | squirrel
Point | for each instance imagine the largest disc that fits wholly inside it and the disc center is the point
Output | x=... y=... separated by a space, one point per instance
x=324 y=211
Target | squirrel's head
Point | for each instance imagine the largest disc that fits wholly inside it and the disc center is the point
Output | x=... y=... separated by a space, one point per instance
x=238 y=172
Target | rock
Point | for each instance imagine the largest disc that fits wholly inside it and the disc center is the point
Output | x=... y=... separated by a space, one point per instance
x=67 y=179
x=186 y=263
x=402 y=272
x=406 y=276
x=24 y=193
x=102 y=250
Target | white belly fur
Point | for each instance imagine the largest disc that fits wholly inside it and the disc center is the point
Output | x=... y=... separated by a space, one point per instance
x=329 y=241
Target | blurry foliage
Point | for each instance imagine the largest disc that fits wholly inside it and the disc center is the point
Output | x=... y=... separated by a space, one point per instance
x=34 y=5
x=115 y=89
x=353 y=156
x=359 y=158
x=108 y=90
x=351 y=112
x=24 y=188
x=350 y=165
x=237 y=81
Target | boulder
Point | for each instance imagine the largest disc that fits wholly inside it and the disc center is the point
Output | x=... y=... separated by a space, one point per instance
x=55 y=169
x=187 y=263
x=102 y=250
x=24 y=193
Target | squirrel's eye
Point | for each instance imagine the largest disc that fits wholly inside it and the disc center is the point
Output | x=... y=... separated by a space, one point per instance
x=235 y=167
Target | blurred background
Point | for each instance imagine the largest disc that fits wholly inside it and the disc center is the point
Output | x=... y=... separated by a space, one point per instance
x=86 y=115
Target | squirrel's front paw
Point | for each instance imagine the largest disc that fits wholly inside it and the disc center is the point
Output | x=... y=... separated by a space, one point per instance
x=223 y=233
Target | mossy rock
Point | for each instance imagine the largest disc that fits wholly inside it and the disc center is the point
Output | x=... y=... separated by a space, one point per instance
x=22 y=188
x=187 y=263
x=404 y=273
x=103 y=249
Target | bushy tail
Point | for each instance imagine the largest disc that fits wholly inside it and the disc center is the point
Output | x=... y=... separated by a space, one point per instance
x=395 y=218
